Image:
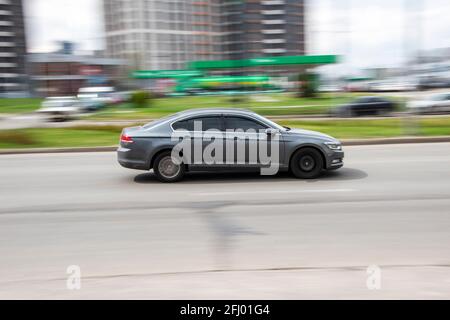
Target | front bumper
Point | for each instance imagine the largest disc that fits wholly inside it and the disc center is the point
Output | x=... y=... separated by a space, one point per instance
x=335 y=160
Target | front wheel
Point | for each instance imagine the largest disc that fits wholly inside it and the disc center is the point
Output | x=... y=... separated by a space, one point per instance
x=306 y=163
x=166 y=170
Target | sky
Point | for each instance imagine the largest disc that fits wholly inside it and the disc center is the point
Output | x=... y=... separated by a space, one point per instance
x=49 y=21
x=368 y=33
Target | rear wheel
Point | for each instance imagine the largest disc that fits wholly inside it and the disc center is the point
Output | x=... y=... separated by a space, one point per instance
x=166 y=170
x=306 y=163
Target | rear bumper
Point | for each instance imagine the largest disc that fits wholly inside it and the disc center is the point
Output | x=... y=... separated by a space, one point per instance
x=124 y=159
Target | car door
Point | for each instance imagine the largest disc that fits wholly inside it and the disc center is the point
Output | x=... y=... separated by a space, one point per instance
x=244 y=138
x=444 y=105
x=447 y=103
x=374 y=106
x=379 y=106
x=204 y=131
x=360 y=106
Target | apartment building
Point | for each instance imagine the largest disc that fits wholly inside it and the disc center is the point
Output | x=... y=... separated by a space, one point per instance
x=258 y=28
x=161 y=34
x=165 y=34
x=12 y=48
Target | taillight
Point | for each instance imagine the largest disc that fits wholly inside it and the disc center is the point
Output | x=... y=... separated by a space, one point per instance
x=125 y=138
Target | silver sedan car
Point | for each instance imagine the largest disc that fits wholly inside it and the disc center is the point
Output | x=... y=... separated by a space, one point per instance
x=226 y=139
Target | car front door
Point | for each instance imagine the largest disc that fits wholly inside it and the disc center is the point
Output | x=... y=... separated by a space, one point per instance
x=247 y=143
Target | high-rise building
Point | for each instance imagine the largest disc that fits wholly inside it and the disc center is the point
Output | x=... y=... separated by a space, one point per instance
x=12 y=47
x=160 y=34
x=258 y=28
x=165 y=34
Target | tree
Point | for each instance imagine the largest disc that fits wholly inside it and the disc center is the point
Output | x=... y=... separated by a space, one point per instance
x=307 y=87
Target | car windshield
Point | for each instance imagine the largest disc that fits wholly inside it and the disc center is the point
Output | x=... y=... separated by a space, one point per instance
x=271 y=123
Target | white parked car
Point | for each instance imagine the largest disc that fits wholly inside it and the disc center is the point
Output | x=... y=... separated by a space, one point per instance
x=393 y=86
x=97 y=96
x=436 y=103
x=329 y=88
x=60 y=108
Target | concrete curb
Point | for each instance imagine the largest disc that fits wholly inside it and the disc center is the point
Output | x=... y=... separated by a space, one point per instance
x=347 y=142
x=57 y=150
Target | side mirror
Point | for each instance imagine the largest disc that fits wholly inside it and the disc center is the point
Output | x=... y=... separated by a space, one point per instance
x=271 y=132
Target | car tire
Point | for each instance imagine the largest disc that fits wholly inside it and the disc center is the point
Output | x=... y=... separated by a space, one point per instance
x=307 y=163
x=165 y=170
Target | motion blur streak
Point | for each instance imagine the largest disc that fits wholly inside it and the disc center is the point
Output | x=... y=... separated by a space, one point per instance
x=213 y=236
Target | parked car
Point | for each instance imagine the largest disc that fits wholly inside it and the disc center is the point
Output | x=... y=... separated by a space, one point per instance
x=96 y=97
x=329 y=88
x=60 y=108
x=436 y=103
x=364 y=106
x=89 y=104
x=433 y=82
x=392 y=86
x=121 y=97
x=305 y=153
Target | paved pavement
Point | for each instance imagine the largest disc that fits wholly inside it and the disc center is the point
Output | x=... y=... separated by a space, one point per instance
x=227 y=236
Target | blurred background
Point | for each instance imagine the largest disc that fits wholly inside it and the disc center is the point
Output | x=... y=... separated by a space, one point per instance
x=74 y=73
x=310 y=64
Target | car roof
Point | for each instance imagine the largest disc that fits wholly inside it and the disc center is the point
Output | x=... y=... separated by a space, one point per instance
x=199 y=112
x=206 y=111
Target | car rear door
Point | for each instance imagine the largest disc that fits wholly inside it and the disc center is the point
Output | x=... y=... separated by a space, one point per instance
x=203 y=131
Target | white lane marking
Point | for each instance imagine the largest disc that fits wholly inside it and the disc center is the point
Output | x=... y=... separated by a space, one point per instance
x=271 y=192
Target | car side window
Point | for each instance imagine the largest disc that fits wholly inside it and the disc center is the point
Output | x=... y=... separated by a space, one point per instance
x=183 y=125
x=235 y=123
x=207 y=123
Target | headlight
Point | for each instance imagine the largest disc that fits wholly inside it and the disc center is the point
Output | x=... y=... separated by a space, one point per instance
x=334 y=145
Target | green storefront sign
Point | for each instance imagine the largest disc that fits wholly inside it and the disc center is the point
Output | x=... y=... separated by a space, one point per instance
x=166 y=74
x=264 y=61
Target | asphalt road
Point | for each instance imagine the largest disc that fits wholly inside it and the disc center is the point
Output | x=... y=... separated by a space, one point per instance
x=227 y=236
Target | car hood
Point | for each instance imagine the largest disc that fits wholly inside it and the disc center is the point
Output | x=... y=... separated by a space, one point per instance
x=310 y=133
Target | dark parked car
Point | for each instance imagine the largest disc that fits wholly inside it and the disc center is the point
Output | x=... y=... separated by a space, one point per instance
x=305 y=153
x=364 y=106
